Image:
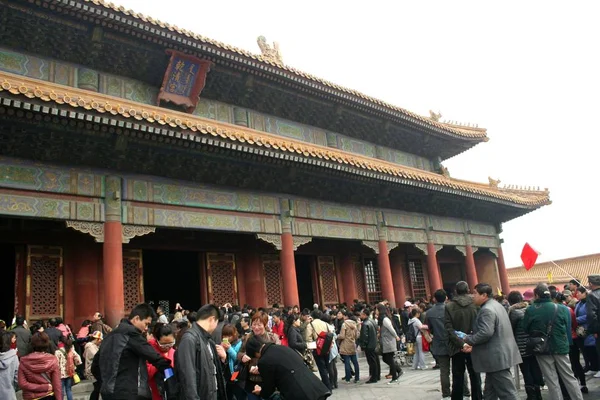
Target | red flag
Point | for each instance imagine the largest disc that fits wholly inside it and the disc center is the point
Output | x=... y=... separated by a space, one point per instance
x=529 y=256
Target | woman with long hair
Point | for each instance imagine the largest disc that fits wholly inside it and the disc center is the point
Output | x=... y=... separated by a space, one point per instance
x=259 y=323
x=388 y=340
x=292 y=331
x=68 y=360
x=163 y=341
x=9 y=365
x=39 y=373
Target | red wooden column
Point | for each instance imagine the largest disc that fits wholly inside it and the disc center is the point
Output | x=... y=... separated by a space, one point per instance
x=470 y=267
x=112 y=251
x=502 y=271
x=433 y=269
x=398 y=266
x=288 y=270
x=348 y=276
x=385 y=273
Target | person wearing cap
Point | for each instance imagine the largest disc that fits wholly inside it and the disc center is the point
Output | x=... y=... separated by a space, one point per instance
x=593 y=312
x=528 y=295
x=405 y=316
x=89 y=351
x=538 y=316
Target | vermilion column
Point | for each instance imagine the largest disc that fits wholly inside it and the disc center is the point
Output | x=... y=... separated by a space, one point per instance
x=397 y=265
x=433 y=269
x=502 y=272
x=385 y=272
x=348 y=276
x=288 y=270
x=114 y=299
x=470 y=267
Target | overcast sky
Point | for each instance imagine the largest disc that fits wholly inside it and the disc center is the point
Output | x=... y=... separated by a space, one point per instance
x=528 y=71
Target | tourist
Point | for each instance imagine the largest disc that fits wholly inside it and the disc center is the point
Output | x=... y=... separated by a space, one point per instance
x=532 y=374
x=122 y=352
x=278 y=328
x=333 y=354
x=313 y=329
x=593 y=314
x=280 y=368
x=53 y=332
x=388 y=340
x=368 y=343
x=348 y=336
x=538 y=317
x=201 y=378
x=68 y=360
x=39 y=373
x=585 y=340
x=492 y=346
x=23 y=336
x=439 y=345
x=405 y=316
x=417 y=326
x=9 y=367
x=89 y=351
x=99 y=325
x=232 y=344
x=259 y=323
x=292 y=331
x=460 y=317
x=163 y=341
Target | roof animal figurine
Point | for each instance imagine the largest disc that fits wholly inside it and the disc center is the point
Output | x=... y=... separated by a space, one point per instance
x=269 y=53
x=494 y=182
x=435 y=116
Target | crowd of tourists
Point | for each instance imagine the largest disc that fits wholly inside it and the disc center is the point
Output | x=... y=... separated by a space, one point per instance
x=233 y=352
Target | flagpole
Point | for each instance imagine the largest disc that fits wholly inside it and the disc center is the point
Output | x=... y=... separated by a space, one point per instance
x=563 y=270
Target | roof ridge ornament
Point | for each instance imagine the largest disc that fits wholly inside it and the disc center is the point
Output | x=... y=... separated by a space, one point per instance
x=269 y=53
x=494 y=182
x=435 y=116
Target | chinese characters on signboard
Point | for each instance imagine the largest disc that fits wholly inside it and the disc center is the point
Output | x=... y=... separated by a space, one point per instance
x=184 y=80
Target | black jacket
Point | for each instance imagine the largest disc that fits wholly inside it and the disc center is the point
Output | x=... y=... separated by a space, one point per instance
x=295 y=340
x=198 y=368
x=460 y=316
x=516 y=312
x=368 y=335
x=54 y=334
x=436 y=323
x=283 y=369
x=122 y=363
x=593 y=312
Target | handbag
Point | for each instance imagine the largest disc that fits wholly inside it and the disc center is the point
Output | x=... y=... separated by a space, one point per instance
x=410 y=349
x=308 y=359
x=427 y=336
x=539 y=342
x=581 y=332
x=76 y=379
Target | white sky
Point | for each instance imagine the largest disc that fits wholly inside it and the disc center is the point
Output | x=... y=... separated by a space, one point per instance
x=528 y=71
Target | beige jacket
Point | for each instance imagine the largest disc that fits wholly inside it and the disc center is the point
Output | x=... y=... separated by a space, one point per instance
x=89 y=352
x=348 y=336
x=313 y=329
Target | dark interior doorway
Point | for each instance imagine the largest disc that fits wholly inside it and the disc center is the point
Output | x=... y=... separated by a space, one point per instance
x=304 y=279
x=173 y=277
x=452 y=273
x=7 y=282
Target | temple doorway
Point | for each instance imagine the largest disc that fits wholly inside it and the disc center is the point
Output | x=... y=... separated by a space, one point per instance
x=452 y=273
x=306 y=292
x=7 y=282
x=172 y=277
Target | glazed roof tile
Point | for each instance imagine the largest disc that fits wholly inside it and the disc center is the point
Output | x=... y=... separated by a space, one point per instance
x=101 y=103
x=579 y=267
x=479 y=134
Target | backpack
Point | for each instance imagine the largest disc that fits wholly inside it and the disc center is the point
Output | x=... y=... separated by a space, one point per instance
x=324 y=341
x=411 y=336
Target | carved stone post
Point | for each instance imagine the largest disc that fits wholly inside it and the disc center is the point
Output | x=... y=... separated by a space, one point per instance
x=114 y=297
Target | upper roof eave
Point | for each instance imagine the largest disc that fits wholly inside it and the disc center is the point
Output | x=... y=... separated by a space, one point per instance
x=255 y=61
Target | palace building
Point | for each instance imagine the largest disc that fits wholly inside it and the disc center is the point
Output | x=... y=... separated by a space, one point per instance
x=143 y=162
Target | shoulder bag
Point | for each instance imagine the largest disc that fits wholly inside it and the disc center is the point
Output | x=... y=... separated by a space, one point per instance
x=539 y=342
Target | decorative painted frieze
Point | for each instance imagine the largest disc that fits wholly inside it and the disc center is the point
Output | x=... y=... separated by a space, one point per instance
x=96 y=230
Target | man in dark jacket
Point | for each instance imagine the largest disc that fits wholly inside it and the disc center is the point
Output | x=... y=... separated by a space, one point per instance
x=198 y=361
x=53 y=332
x=123 y=355
x=23 y=336
x=439 y=346
x=593 y=311
x=368 y=342
x=281 y=368
x=459 y=317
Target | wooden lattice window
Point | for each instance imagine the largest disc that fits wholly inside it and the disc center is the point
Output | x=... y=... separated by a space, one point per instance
x=359 y=278
x=417 y=278
x=273 y=282
x=44 y=282
x=133 y=285
x=327 y=280
x=373 y=282
x=222 y=282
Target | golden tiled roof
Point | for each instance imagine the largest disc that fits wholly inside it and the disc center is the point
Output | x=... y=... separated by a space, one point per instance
x=579 y=267
x=101 y=103
x=479 y=134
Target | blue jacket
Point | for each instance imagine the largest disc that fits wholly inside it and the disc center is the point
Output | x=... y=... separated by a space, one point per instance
x=581 y=315
x=232 y=355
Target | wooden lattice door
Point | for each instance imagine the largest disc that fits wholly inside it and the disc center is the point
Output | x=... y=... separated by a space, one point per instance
x=133 y=279
x=273 y=283
x=222 y=281
x=359 y=278
x=327 y=280
x=44 y=283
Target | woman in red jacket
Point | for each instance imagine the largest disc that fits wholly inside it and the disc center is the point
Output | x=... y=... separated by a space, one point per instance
x=39 y=373
x=163 y=340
